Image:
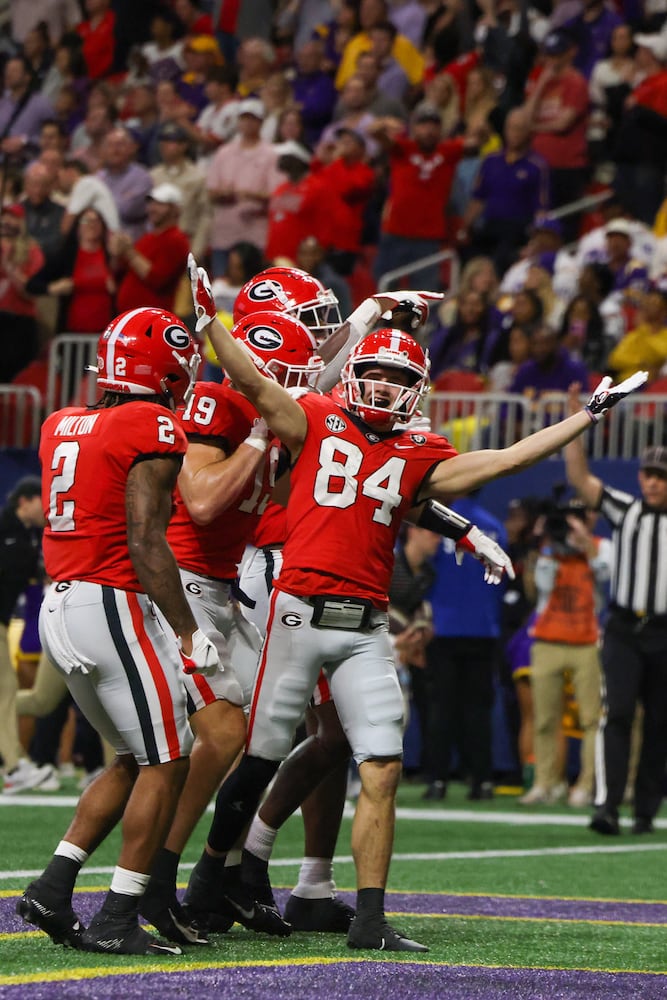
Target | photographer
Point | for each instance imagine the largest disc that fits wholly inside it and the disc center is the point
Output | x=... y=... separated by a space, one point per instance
x=571 y=565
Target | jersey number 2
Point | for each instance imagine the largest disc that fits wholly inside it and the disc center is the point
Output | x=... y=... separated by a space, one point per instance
x=337 y=485
x=61 y=512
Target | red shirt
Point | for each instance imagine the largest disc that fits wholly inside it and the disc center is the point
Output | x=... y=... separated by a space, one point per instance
x=91 y=305
x=420 y=185
x=349 y=491
x=272 y=526
x=99 y=45
x=10 y=300
x=168 y=253
x=86 y=457
x=294 y=211
x=568 y=149
x=225 y=417
x=652 y=93
x=346 y=189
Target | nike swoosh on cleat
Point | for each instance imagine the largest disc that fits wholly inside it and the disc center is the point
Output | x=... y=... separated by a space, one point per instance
x=381 y=944
x=246 y=914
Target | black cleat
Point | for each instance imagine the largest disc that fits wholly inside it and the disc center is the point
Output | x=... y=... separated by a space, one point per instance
x=253 y=915
x=161 y=908
x=120 y=934
x=203 y=905
x=378 y=935
x=605 y=822
x=330 y=914
x=60 y=923
x=642 y=824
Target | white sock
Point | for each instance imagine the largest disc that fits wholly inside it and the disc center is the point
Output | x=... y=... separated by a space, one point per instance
x=315 y=879
x=261 y=838
x=233 y=858
x=128 y=883
x=67 y=850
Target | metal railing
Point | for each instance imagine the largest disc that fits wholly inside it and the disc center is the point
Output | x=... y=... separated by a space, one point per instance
x=68 y=382
x=21 y=416
x=389 y=278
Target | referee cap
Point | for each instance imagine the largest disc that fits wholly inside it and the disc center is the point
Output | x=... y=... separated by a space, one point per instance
x=654 y=458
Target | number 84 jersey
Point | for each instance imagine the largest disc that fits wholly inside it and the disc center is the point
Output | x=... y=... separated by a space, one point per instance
x=350 y=489
x=86 y=457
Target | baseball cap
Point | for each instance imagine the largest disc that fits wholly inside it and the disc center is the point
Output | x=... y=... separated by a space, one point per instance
x=621 y=226
x=29 y=487
x=657 y=44
x=166 y=194
x=557 y=42
x=204 y=43
x=654 y=458
x=171 y=132
x=543 y=222
x=426 y=112
x=293 y=148
x=252 y=106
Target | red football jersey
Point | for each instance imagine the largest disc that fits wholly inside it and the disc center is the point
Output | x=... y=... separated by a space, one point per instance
x=215 y=549
x=350 y=490
x=86 y=456
x=272 y=526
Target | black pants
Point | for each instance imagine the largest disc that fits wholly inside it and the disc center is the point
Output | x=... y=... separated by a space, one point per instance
x=460 y=678
x=634 y=664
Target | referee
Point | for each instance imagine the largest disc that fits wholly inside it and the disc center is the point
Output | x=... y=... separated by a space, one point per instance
x=634 y=651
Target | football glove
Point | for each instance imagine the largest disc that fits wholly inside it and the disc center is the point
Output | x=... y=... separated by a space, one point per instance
x=407 y=299
x=202 y=296
x=495 y=560
x=607 y=395
x=259 y=435
x=204 y=657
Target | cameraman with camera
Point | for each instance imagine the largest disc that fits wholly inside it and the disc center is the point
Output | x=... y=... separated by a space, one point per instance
x=570 y=568
x=634 y=651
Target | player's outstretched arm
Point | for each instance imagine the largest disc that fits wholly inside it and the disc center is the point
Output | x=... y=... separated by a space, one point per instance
x=468 y=537
x=460 y=475
x=282 y=413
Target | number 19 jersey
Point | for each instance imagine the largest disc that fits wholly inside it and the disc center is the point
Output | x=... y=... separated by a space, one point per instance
x=350 y=489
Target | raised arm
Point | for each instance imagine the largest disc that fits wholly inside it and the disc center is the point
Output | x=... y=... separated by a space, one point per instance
x=282 y=413
x=588 y=486
x=460 y=475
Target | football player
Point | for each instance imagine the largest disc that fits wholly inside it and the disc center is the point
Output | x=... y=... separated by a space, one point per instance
x=116 y=621
x=354 y=476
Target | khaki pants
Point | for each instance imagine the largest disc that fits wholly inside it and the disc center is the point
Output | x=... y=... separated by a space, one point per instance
x=46 y=694
x=10 y=748
x=549 y=661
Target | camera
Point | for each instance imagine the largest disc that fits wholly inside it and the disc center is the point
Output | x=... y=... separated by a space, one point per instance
x=556 y=512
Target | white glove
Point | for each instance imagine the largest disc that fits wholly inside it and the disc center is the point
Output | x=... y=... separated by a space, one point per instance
x=204 y=657
x=495 y=560
x=259 y=435
x=202 y=296
x=419 y=300
x=607 y=395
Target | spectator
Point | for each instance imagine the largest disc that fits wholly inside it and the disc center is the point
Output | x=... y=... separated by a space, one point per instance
x=128 y=181
x=67 y=69
x=313 y=89
x=98 y=37
x=550 y=369
x=43 y=216
x=295 y=206
x=165 y=45
x=461 y=663
x=21 y=521
x=641 y=141
x=501 y=373
x=38 y=52
x=141 y=118
x=347 y=182
x=592 y=31
x=645 y=346
x=88 y=141
x=200 y=54
x=381 y=102
x=372 y=13
x=217 y=122
x=442 y=93
x=353 y=109
x=391 y=78
x=150 y=269
x=83 y=190
x=256 y=61
x=546 y=237
x=421 y=168
x=582 y=333
x=20 y=258
x=59 y=16
x=610 y=83
x=468 y=343
x=311 y=257
x=511 y=189
x=240 y=179
x=571 y=565
x=557 y=107
x=193 y=19
x=276 y=96
x=244 y=261
x=175 y=167
x=22 y=111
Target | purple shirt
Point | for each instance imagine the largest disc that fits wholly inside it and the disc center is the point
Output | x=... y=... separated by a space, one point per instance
x=129 y=189
x=316 y=95
x=556 y=377
x=29 y=120
x=517 y=191
x=592 y=38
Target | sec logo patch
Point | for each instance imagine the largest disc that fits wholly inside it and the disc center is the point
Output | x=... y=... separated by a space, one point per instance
x=335 y=423
x=292 y=620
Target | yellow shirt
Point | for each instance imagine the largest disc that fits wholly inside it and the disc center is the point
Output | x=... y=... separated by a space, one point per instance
x=640 y=348
x=404 y=52
x=660 y=224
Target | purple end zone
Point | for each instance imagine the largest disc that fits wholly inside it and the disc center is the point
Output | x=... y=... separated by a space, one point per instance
x=361 y=980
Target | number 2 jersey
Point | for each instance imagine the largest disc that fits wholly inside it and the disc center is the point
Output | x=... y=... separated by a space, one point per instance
x=219 y=415
x=350 y=489
x=86 y=457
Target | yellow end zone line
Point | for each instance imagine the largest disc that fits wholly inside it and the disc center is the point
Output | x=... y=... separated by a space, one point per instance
x=156 y=967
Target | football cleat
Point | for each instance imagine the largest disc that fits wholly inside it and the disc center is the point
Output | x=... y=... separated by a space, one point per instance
x=60 y=923
x=120 y=934
x=330 y=914
x=216 y=908
x=161 y=908
x=379 y=935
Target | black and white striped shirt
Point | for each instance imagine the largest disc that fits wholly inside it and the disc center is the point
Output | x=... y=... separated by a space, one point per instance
x=639 y=564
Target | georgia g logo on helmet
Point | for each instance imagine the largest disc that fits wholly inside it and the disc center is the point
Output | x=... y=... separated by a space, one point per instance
x=176 y=337
x=264 y=338
x=264 y=291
